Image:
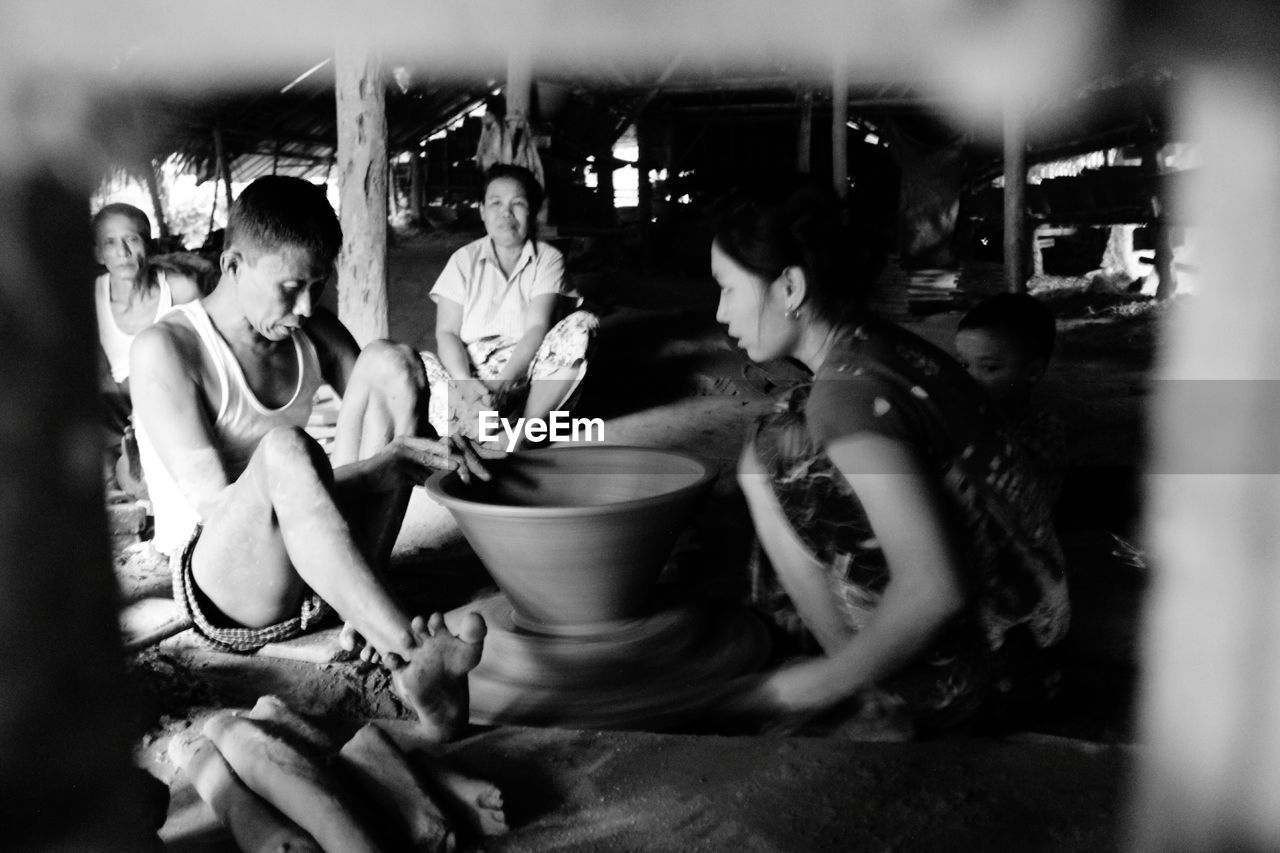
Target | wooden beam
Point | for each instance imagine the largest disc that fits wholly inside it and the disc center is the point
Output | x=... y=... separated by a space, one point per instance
x=362 y=191
x=1015 y=196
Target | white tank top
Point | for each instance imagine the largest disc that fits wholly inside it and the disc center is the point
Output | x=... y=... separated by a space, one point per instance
x=240 y=423
x=116 y=343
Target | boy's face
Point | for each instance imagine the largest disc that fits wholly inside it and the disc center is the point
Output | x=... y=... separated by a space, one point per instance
x=998 y=366
x=120 y=246
x=277 y=288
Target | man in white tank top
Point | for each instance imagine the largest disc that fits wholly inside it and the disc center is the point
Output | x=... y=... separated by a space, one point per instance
x=264 y=535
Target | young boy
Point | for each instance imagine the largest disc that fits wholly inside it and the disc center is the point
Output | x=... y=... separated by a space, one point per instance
x=264 y=535
x=1006 y=342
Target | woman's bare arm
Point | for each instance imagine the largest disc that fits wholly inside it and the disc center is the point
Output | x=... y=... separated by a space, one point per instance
x=924 y=590
x=449 y=346
x=537 y=322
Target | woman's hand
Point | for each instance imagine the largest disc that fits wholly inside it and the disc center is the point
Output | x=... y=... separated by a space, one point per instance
x=500 y=391
x=779 y=702
x=797 y=688
x=475 y=393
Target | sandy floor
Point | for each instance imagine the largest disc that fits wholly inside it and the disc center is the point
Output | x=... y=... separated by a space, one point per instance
x=664 y=376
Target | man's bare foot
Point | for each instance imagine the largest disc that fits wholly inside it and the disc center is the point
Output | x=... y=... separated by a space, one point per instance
x=350 y=640
x=478 y=802
x=434 y=680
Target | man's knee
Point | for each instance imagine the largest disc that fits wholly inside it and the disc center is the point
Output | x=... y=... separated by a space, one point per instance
x=289 y=450
x=388 y=364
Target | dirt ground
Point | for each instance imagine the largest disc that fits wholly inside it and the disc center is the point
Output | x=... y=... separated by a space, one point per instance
x=665 y=376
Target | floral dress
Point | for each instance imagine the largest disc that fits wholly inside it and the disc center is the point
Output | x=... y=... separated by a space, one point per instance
x=884 y=380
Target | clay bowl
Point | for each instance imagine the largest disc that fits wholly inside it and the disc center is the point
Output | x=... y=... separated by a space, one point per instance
x=577 y=535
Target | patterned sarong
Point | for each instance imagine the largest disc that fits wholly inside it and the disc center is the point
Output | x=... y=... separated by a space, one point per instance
x=568 y=344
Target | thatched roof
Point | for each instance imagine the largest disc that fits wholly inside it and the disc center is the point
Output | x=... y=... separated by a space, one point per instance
x=288 y=125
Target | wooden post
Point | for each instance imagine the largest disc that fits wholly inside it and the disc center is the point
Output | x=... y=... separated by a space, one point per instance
x=362 y=191
x=644 y=162
x=1015 y=196
x=804 y=134
x=393 y=198
x=157 y=200
x=1210 y=706
x=224 y=160
x=66 y=725
x=839 y=126
x=519 y=90
x=417 y=185
x=604 y=177
x=519 y=98
x=1160 y=237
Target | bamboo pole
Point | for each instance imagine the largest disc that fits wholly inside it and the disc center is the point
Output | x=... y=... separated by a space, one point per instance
x=362 y=191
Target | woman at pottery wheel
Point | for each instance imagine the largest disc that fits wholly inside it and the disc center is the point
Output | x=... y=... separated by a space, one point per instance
x=885 y=499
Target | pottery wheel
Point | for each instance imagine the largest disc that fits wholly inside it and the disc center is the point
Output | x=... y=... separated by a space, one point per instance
x=652 y=672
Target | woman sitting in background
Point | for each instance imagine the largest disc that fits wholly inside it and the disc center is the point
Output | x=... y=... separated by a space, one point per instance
x=885 y=498
x=129 y=296
x=499 y=347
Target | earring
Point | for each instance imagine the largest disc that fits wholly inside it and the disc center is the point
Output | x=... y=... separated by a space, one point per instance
x=791 y=314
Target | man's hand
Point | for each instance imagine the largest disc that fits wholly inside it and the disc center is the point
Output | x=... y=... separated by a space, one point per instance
x=410 y=460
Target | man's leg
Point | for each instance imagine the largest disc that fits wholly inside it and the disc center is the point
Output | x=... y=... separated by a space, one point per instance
x=386 y=397
x=280 y=532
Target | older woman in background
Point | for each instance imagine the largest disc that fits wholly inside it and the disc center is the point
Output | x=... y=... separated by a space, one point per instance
x=129 y=296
